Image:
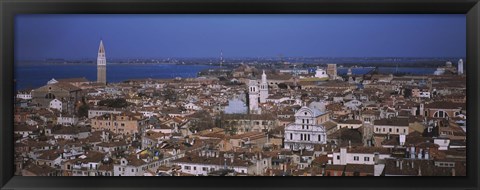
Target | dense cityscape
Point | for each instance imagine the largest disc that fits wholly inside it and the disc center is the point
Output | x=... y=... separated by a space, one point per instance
x=266 y=118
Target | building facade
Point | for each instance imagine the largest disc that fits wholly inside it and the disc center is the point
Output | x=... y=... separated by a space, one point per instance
x=307 y=130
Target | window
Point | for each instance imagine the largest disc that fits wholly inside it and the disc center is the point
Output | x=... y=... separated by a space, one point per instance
x=398 y=130
x=355 y=158
x=366 y=159
x=291 y=136
x=383 y=129
x=133 y=170
x=404 y=131
x=204 y=169
x=119 y=169
x=389 y=129
x=338 y=157
x=194 y=168
x=319 y=138
x=186 y=167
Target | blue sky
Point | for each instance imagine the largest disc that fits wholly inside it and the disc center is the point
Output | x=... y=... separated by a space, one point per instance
x=159 y=36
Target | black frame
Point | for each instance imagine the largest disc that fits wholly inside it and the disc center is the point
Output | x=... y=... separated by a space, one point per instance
x=9 y=8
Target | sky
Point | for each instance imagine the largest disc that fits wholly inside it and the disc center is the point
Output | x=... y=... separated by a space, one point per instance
x=162 y=36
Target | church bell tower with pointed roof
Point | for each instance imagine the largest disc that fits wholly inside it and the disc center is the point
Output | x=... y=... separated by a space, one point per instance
x=101 y=65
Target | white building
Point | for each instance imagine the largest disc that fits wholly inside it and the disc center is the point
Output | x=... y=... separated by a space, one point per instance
x=253 y=97
x=192 y=106
x=24 y=95
x=360 y=155
x=99 y=112
x=353 y=104
x=52 y=81
x=320 y=73
x=264 y=88
x=56 y=104
x=307 y=130
x=460 y=67
x=394 y=126
x=245 y=163
x=67 y=120
x=439 y=71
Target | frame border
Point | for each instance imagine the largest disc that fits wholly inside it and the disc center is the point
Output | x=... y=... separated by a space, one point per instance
x=9 y=8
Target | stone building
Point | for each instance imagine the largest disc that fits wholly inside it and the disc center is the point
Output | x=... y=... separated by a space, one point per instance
x=68 y=94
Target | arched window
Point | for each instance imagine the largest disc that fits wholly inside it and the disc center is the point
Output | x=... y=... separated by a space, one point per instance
x=441 y=114
x=50 y=96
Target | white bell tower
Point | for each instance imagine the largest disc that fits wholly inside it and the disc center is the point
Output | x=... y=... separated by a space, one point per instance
x=264 y=88
x=253 y=96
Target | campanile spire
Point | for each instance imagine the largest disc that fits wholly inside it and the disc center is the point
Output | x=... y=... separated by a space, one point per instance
x=101 y=64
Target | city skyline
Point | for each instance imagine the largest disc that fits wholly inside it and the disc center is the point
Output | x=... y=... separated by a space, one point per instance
x=73 y=36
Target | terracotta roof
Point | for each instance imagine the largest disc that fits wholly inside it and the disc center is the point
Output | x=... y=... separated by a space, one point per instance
x=392 y=122
x=362 y=168
x=370 y=150
x=445 y=105
x=39 y=170
x=335 y=167
x=212 y=161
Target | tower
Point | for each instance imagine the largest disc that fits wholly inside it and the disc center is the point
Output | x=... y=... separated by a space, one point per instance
x=332 y=71
x=263 y=88
x=253 y=92
x=101 y=65
x=221 y=58
x=460 y=67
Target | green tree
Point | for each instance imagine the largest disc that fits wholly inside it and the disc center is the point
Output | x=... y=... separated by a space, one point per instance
x=114 y=103
x=83 y=110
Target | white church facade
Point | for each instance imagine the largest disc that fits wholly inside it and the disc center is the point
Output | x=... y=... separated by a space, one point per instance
x=307 y=130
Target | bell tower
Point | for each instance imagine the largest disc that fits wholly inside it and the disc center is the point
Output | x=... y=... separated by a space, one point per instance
x=263 y=88
x=101 y=65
